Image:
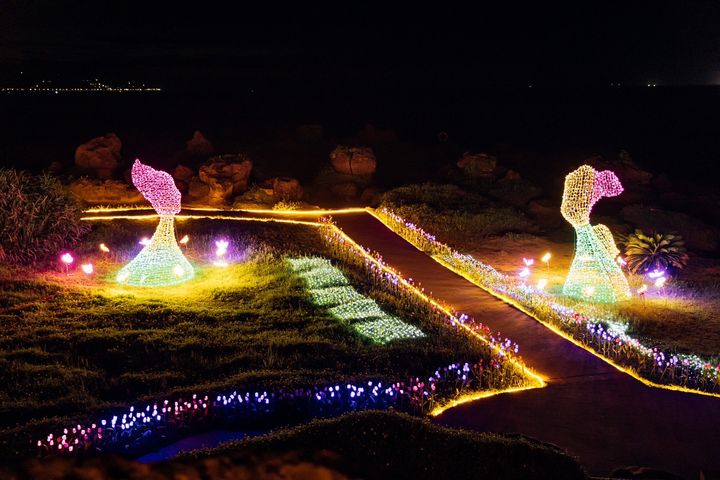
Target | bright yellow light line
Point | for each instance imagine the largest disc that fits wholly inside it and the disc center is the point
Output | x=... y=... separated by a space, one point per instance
x=471 y=397
x=339 y=211
x=320 y=212
x=202 y=217
x=556 y=330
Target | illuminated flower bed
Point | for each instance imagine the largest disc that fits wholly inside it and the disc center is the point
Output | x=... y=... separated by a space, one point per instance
x=605 y=336
x=136 y=429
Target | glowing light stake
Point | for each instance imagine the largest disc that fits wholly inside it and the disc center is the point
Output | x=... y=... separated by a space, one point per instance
x=160 y=262
x=656 y=274
x=594 y=263
x=87 y=268
x=221 y=248
x=184 y=240
x=67 y=259
x=220 y=251
x=546 y=260
x=103 y=248
x=528 y=261
x=144 y=241
x=542 y=283
x=524 y=273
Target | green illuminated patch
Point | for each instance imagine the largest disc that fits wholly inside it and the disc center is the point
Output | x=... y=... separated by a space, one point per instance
x=329 y=287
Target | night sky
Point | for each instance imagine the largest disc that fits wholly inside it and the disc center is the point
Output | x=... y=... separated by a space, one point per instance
x=442 y=44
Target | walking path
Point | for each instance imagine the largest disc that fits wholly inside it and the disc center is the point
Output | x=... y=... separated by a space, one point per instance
x=602 y=416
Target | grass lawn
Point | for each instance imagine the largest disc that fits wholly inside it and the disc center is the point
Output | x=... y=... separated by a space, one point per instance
x=367 y=444
x=72 y=345
x=685 y=316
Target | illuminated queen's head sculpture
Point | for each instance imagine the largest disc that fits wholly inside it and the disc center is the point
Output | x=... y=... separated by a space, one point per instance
x=160 y=262
x=594 y=274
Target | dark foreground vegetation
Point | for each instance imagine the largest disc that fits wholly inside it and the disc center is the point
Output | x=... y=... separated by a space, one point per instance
x=368 y=444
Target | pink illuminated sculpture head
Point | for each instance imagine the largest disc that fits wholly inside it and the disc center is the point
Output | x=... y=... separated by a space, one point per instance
x=583 y=188
x=157 y=187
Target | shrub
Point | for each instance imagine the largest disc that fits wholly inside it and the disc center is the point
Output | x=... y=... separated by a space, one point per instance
x=376 y=444
x=655 y=251
x=287 y=205
x=457 y=216
x=38 y=217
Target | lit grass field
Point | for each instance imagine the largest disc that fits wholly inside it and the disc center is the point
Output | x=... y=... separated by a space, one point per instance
x=73 y=345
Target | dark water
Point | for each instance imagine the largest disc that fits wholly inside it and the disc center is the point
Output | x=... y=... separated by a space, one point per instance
x=673 y=130
x=195 y=442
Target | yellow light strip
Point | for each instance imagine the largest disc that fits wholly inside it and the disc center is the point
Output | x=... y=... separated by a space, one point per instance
x=126 y=208
x=339 y=211
x=471 y=397
x=554 y=329
x=202 y=217
x=316 y=212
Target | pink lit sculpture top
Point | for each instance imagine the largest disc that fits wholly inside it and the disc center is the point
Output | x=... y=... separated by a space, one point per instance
x=157 y=187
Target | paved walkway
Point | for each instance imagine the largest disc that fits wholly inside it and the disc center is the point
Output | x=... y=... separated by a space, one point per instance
x=605 y=418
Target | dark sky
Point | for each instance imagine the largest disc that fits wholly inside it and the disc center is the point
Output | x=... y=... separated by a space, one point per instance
x=441 y=43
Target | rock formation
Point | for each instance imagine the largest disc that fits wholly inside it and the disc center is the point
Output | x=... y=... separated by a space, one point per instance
x=100 y=155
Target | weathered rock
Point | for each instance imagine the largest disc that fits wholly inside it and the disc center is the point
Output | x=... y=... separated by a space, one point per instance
x=346 y=191
x=629 y=172
x=285 y=188
x=514 y=192
x=698 y=235
x=183 y=173
x=370 y=196
x=182 y=176
x=545 y=213
x=512 y=176
x=105 y=192
x=353 y=160
x=209 y=192
x=477 y=164
x=233 y=167
x=99 y=155
x=199 y=146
